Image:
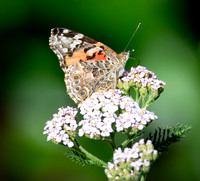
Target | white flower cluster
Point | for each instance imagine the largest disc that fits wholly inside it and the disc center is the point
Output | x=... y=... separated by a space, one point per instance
x=131 y=162
x=132 y=115
x=105 y=110
x=62 y=126
x=144 y=77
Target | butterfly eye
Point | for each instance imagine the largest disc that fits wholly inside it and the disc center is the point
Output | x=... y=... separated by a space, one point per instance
x=76 y=77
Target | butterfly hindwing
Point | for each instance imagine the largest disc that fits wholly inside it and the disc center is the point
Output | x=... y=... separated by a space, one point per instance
x=84 y=78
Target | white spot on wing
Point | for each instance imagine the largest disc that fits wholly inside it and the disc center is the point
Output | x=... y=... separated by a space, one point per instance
x=65 y=31
x=53 y=39
x=65 y=50
x=77 y=42
x=78 y=36
x=63 y=38
x=72 y=46
x=54 y=43
x=66 y=40
x=93 y=50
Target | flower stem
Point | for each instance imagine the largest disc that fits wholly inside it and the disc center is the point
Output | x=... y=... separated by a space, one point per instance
x=123 y=145
x=92 y=157
x=137 y=96
x=143 y=178
x=113 y=140
x=143 y=102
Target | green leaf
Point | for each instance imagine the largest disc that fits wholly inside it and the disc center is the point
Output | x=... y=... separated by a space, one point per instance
x=163 y=137
x=80 y=157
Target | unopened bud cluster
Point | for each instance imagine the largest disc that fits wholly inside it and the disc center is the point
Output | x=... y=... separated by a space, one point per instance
x=131 y=163
x=143 y=81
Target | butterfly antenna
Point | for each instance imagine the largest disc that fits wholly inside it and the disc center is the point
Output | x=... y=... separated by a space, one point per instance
x=132 y=36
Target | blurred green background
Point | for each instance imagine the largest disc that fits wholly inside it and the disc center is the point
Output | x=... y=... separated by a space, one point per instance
x=32 y=86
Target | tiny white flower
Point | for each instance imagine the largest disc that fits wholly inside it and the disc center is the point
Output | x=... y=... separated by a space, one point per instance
x=70 y=144
x=98 y=121
x=141 y=142
x=110 y=166
x=63 y=121
x=140 y=127
x=144 y=77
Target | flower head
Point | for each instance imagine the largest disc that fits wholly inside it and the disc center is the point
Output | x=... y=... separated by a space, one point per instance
x=131 y=163
x=106 y=111
x=145 y=83
x=62 y=128
x=143 y=77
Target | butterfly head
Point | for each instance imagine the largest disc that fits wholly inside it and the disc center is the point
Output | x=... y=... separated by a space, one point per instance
x=123 y=57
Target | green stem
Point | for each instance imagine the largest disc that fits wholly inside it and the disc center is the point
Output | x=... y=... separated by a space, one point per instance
x=143 y=178
x=149 y=101
x=137 y=95
x=143 y=102
x=113 y=140
x=92 y=157
x=152 y=97
x=123 y=145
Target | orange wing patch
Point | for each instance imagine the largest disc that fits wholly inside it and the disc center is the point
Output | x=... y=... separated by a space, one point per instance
x=93 y=54
x=106 y=48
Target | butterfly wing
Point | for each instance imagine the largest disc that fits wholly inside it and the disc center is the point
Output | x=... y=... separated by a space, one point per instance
x=84 y=78
x=72 y=47
x=88 y=65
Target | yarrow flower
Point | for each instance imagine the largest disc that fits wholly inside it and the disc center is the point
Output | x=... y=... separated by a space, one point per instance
x=145 y=83
x=105 y=111
x=62 y=128
x=131 y=163
x=109 y=112
x=145 y=78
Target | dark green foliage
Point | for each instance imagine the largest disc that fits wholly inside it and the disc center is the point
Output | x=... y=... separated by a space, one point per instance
x=80 y=158
x=163 y=137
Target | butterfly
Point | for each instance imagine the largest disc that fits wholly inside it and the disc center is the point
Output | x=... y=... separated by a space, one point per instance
x=88 y=65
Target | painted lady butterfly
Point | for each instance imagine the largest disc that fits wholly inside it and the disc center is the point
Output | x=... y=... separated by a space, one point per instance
x=88 y=64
